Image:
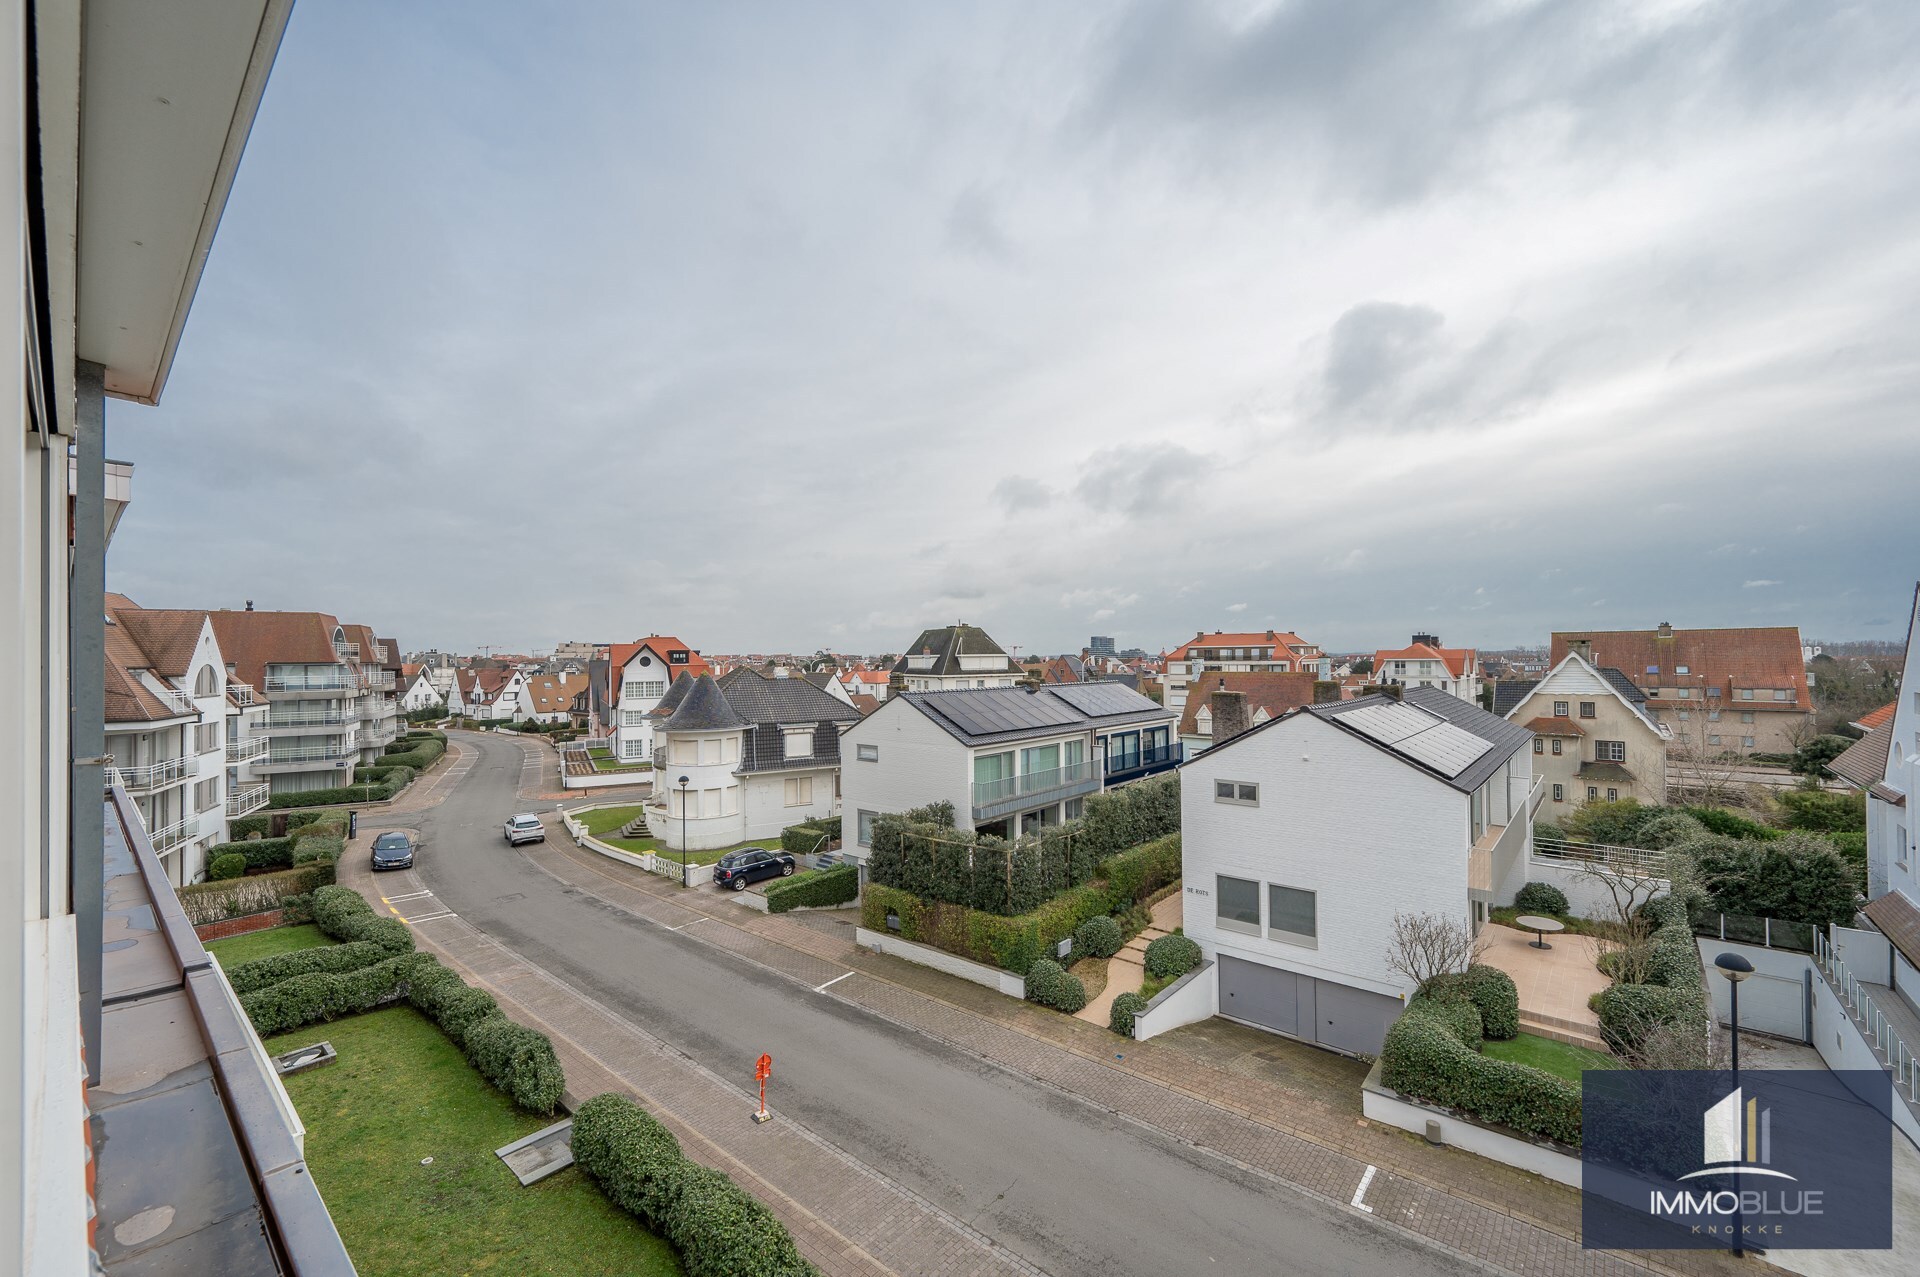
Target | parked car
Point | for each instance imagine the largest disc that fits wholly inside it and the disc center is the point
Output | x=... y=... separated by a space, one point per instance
x=525 y=828
x=750 y=864
x=393 y=851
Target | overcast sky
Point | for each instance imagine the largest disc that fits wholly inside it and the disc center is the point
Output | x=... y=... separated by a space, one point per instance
x=796 y=325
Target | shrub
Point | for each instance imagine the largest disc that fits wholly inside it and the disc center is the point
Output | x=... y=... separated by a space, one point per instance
x=802 y=839
x=1540 y=897
x=1819 y=811
x=215 y=901
x=1812 y=758
x=418 y=752
x=1492 y=993
x=346 y=917
x=310 y=999
x=333 y=797
x=1098 y=937
x=1798 y=877
x=231 y=865
x=835 y=886
x=517 y=1060
x=325 y=849
x=247 y=826
x=1718 y=820
x=1427 y=1056
x=333 y=959
x=1051 y=986
x=1170 y=956
x=1120 y=1015
x=828 y=825
x=1629 y=1012
x=259 y=853
x=630 y=1155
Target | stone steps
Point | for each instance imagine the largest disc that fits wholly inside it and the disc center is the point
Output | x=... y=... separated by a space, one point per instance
x=635 y=828
x=1548 y=1026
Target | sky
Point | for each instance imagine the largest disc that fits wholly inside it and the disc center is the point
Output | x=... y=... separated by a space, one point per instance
x=786 y=326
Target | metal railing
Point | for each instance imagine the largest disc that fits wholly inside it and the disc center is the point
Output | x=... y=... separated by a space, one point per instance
x=241 y=693
x=379 y=679
x=251 y=747
x=168 y=837
x=312 y=754
x=168 y=771
x=280 y=716
x=1160 y=756
x=1868 y=1019
x=334 y=680
x=1771 y=933
x=242 y=802
x=1028 y=784
x=1631 y=860
x=176 y=700
x=347 y=651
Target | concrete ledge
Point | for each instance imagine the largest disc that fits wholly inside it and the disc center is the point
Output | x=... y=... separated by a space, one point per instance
x=1192 y=998
x=1554 y=1161
x=607 y=780
x=940 y=960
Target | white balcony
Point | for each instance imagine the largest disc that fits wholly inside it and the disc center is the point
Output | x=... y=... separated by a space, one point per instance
x=993 y=799
x=310 y=758
x=241 y=751
x=160 y=775
x=168 y=837
x=377 y=679
x=243 y=802
x=291 y=719
x=336 y=681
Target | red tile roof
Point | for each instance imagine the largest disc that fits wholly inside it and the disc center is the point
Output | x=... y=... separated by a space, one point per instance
x=250 y=641
x=1456 y=659
x=864 y=703
x=1555 y=727
x=1265 y=638
x=1269 y=690
x=552 y=696
x=169 y=636
x=1867 y=722
x=621 y=653
x=1761 y=657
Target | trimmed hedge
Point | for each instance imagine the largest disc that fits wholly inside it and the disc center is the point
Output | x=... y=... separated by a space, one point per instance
x=332 y=959
x=801 y=839
x=1171 y=956
x=1098 y=937
x=1491 y=992
x=309 y=999
x=206 y=902
x=1540 y=897
x=345 y=916
x=719 y=1230
x=259 y=853
x=1675 y=992
x=417 y=752
x=222 y=868
x=247 y=826
x=828 y=825
x=1429 y=1054
x=1049 y=984
x=828 y=887
x=1120 y=1015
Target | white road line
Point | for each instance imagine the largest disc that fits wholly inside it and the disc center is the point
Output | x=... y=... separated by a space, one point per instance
x=683 y=926
x=411 y=895
x=429 y=917
x=829 y=984
x=1361 y=1191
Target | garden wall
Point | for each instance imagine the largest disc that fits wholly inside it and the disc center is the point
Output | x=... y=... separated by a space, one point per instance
x=940 y=960
x=1383 y=1104
x=1773 y=1000
x=1586 y=897
x=1192 y=998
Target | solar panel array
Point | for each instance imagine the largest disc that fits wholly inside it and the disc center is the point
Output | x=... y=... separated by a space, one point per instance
x=985 y=711
x=1425 y=738
x=1100 y=700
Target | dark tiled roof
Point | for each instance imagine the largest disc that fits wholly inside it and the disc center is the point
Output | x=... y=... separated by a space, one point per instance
x=1508 y=693
x=755 y=698
x=702 y=708
x=1623 y=685
x=1899 y=920
x=1864 y=763
x=1506 y=738
x=948 y=644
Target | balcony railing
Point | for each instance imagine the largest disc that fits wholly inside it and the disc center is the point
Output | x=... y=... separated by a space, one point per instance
x=333 y=680
x=378 y=679
x=240 y=751
x=347 y=651
x=1146 y=762
x=176 y=700
x=310 y=718
x=1627 y=860
x=242 y=802
x=314 y=754
x=168 y=771
x=168 y=837
x=998 y=797
x=241 y=693
x=1872 y=1022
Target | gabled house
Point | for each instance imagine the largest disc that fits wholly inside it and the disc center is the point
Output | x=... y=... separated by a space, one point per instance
x=861 y=681
x=1265 y=652
x=1257 y=698
x=829 y=682
x=1424 y=663
x=1304 y=837
x=1594 y=738
x=502 y=693
x=550 y=697
x=463 y=694
x=1009 y=759
x=743 y=757
x=418 y=690
x=954 y=656
x=638 y=675
x=1745 y=691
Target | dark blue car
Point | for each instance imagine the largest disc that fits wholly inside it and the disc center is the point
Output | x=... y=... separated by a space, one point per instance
x=393 y=851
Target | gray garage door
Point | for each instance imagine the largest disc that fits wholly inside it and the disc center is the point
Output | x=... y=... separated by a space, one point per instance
x=1319 y=1011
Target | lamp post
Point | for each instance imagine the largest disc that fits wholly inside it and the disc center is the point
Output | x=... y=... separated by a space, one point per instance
x=683 y=831
x=1736 y=969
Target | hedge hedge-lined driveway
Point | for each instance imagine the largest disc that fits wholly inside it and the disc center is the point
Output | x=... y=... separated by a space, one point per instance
x=1065 y=1185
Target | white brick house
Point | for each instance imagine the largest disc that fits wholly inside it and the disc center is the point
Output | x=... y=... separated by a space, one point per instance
x=1304 y=837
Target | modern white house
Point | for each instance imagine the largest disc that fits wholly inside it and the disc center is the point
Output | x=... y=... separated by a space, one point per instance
x=1424 y=663
x=638 y=675
x=1010 y=760
x=743 y=757
x=1304 y=837
x=1595 y=740
x=952 y=657
x=1261 y=652
x=862 y=681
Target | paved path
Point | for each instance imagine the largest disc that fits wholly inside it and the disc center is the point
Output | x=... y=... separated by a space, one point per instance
x=916 y=1133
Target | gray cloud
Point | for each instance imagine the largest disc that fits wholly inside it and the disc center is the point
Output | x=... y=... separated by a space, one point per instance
x=1017 y=493
x=1141 y=479
x=1373 y=346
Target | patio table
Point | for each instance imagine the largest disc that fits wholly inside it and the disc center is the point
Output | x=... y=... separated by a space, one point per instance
x=1540 y=928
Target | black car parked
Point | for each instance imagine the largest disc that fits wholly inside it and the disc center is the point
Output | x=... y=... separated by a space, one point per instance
x=393 y=851
x=750 y=864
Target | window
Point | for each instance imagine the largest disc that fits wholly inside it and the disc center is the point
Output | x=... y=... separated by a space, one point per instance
x=1713 y=693
x=1610 y=751
x=1291 y=915
x=1539 y=746
x=633 y=749
x=1593 y=792
x=633 y=717
x=1560 y=709
x=683 y=751
x=1559 y=746
x=1746 y=693
x=1684 y=693
x=799 y=742
x=1782 y=694
x=1238 y=792
x=1236 y=904
x=710 y=749
x=1713 y=740
x=1713 y=716
x=643 y=689
x=1040 y=759
x=1586 y=709
x=206 y=683
x=867 y=753
x=1680 y=669
x=799 y=791
x=1746 y=742
x=1076 y=808
x=1685 y=715
x=1613 y=795
x=1746 y=716
x=863 y=828
x=1559 y=793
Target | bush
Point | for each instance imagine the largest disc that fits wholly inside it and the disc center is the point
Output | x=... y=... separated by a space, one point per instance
x=1098 y=937
x=259 y=853
x=1718 y=820
x=1798 y=878
x=802 y=839
x=828 y=825
x=310 y=999
x=247 y=826
x=231 y=865
x=1170 y=956
x=418 y=752
x=719 y=1230
x=1540 y=897
x=1812 y=758
x=325 y=850
x=1628 y=1012
x=1492 y=994
x=1427 y=1055
x=1051 y=986
x=333 y=797
x=333 y=959
x=346 y=917
x=216 y=901
x=1120 y=1015
x=517 y=1060
x=828 y=887
x=1820 y=811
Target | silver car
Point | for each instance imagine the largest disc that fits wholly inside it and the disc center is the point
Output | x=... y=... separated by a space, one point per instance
x=525 y=828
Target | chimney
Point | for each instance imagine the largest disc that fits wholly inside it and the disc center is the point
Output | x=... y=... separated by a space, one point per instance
x=1229 y=710
x=249 y=605
x=1582 y=648
x=1666 y=630
x=1431 y=640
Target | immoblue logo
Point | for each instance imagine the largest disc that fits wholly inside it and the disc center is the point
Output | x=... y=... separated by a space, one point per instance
x=1737 y=1139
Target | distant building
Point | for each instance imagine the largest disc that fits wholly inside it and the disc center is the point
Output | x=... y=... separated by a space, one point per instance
x=1267 y=652
x=953 y=657
x=1255 y=699
x=1424 y=663
x=1593 y=736
x=1100 y=645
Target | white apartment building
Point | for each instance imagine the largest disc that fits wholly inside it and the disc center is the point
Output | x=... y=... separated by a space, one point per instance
x=1424 y=663
x=309 y=674
x=638 y=676
x=1268 y=651
x=952 y=657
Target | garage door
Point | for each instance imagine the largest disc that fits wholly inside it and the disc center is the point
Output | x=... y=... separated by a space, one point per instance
x=1319 y=1011
x=1352 y=1020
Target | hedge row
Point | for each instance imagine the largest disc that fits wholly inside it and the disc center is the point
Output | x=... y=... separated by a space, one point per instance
x=802 y=839
x=835 y=886
x=719 y=1230
x=1492 y=993
x=332 y=797
x=259 y=853
x=1430 y=1053
x=309 y=999
x=216 y=901
x=222 y=868
x=346 y=917
x=417 y=751
x=331 y=959
x=246 y=828
x=1675 y=992
x=1013 y=943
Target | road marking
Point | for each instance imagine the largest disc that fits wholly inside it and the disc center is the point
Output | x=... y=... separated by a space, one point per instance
x=683 y=926
x=411 y=895
x=1361 y=1191
x=428 y=917
x=829 y=984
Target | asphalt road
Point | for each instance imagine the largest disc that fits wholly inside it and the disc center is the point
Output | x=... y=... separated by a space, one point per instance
x=1066 y=1185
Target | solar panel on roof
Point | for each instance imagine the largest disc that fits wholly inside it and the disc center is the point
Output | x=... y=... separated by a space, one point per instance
x=1390 y=723
x=1100 y=699
x=1422 y=736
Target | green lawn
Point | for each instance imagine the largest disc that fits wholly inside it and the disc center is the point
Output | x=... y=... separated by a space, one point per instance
x=614 y=765
x=639 y=846
x=1560 y=1058
x=400 y=1093
x=607 y=819
x=261 y=944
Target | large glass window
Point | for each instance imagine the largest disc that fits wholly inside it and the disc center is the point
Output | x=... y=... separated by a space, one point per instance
x=863 y=829
x=1236 y=904
x=1040 y=758
x=1123 y=750
x=988 y=768
x=1292 y=915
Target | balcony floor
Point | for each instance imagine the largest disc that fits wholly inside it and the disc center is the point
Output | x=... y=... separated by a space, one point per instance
x=1554 y=984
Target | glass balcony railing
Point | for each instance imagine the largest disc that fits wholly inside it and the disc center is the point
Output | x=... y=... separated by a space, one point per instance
x=168 y=771
x=1030 y=784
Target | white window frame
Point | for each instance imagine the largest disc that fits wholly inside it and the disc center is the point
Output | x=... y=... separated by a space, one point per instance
x=796 y=742
x=863 y=827
x=1244 y=793
x=798 y=791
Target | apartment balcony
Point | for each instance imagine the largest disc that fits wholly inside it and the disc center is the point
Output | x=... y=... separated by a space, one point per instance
x=380 y=735
x=247 y=749
x=160 y=775
x=305 y=722
x=343 y=754
x=242 y=693
x=179 y=702
x=1148 y=762
x=994 y=799
x=347 y=651
x=335 y=682
x=244 y=802
x=381 y=680
x=167 y=837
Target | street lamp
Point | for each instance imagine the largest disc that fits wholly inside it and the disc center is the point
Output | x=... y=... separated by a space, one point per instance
x=683 y=831
x=1736 y=969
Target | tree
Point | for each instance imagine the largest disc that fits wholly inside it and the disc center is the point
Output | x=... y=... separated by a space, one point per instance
x=1694 y=762
x=1812 y=757
x=1426 y=946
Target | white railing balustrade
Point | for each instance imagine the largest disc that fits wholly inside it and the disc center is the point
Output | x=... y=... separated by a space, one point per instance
x=168 y=771
x=243 y=802
x=247 y=749
x=1628 y=860
x=1869 y=1019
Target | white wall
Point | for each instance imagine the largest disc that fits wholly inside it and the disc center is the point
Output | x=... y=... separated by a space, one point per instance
x=1586 y=895
x=767 y=812
x=1192 y=998
x=1370 y=834
x=1773 y=999
x=919 y=763
x=1837 y=1037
